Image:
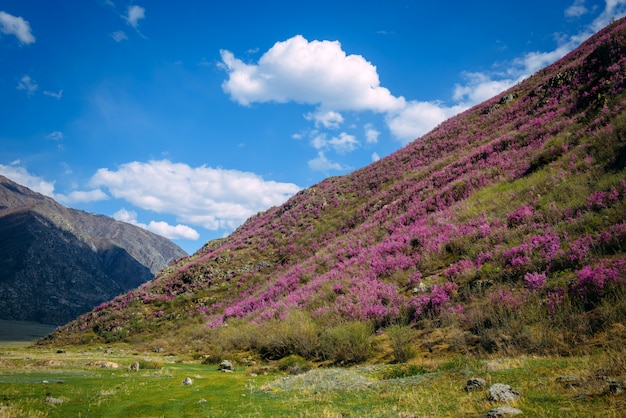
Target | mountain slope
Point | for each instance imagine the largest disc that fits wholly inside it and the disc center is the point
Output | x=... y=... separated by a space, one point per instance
x=57 y=263
x=498 y=230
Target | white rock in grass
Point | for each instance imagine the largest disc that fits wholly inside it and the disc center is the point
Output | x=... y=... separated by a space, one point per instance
x=187 y=381
x=499 y=392
x=502 y=411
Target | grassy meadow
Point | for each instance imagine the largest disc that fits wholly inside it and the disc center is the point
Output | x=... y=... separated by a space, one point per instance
x=48 y=382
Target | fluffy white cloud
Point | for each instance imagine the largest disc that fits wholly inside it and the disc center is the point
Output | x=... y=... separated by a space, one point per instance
x=479 y=88
x=21 y=176
x=27 y=84
x=158 y=227
x=316 y=72
x=321 y=74
x=419 y=118
x=133 y=15
x=205 y=196
x=321 y=163
x=79 y=196
x=371 y=134
x=13 y=25
x=343 y=143
x=327 y=119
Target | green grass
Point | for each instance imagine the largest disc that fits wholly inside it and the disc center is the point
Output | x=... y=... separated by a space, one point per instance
x=30 y=376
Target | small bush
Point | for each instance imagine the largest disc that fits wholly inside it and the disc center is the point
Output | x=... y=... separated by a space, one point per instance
x=347 y=343
x=400 y=341
x=150 y=364
x=294 y=364
x=296 y=334
x=462 y=364
x=401 y=371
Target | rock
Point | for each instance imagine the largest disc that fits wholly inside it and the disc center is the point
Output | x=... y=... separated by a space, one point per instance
x=226 y=366
x=53 y=401
x=104 y=364
x=615 y=387
x=502 y=411
x=187 y=381
x=134 y=367
x=475 y=383
x=499 y=392
x=570 y=381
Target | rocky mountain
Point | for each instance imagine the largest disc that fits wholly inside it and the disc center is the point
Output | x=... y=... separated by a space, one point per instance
x=503 y=229
x=57 y=263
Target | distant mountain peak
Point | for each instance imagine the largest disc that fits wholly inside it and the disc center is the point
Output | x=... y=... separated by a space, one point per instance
x=57 y=262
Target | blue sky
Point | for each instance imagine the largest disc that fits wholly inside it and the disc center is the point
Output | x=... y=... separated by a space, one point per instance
x=188 y=117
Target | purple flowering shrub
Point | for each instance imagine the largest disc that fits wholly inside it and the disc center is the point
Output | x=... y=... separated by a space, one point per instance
x=431 y=305
x=594 y=282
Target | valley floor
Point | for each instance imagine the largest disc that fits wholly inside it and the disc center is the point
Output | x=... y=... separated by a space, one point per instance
x=97 y=381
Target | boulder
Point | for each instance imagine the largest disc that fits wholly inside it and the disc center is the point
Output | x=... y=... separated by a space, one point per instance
x=226 y=366
x=104 y=364
x=499 y=392
x=187 y=381
x=502 y=411
x=475 y=383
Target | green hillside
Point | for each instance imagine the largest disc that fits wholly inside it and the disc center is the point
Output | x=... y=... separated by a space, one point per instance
x=501 y=231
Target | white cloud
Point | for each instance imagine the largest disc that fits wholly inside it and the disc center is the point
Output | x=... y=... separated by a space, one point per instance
x=13 y=25
x=321 y=74
x=614 y=9
x=321 y=163
x=479 y=88
x=327 y=119
x=375 y=157
x=343 y=143
x=205 y=196
x=57 y=96
x=158 y=227
x=482 y=86
x=316 y=73
x=577 y=9
x=21 y=176
x=55 y=136
x=78 y=196
x=419 y=118
x=118 y=36
x=134 y=14
x=371 y=134
x=28 y=85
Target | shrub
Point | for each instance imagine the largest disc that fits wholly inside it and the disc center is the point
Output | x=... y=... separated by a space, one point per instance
x=347 y=343
x=400 y=341
x=294 y=364
x=150 y=364
x=535 y=281
x=401 y=371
